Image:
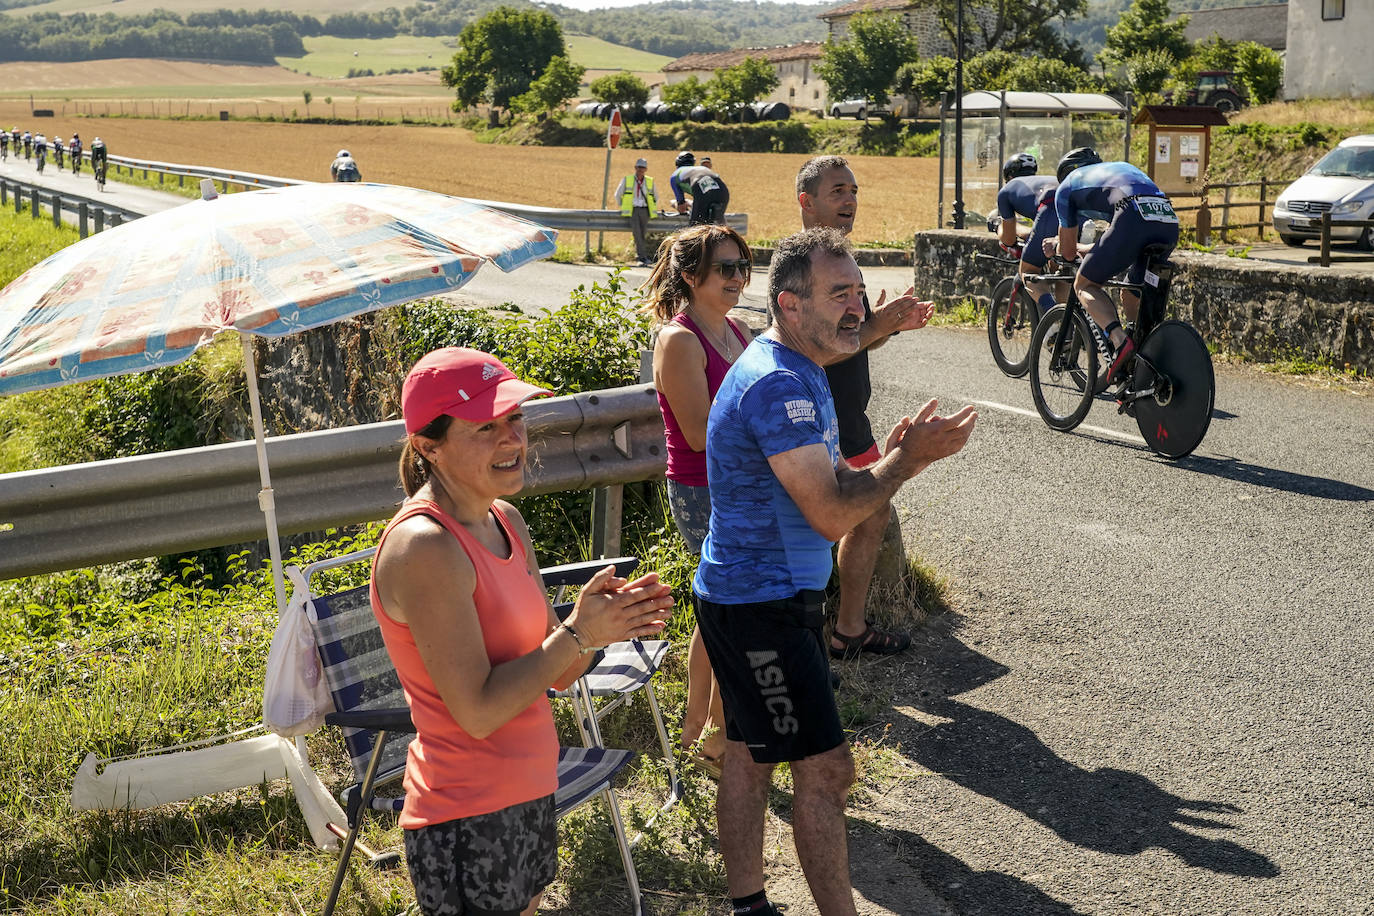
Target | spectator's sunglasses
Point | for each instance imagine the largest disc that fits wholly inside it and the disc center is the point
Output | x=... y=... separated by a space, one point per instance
x=728 y=269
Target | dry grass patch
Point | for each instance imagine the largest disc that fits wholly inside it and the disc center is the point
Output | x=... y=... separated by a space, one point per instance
x=898 y=194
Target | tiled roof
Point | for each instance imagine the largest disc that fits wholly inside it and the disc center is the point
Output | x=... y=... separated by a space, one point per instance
x=863 y=6
x=714 y=60
x=1264 y=25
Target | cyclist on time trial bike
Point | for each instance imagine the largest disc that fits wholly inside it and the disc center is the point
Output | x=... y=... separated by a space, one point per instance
x=74 y=149
x=1140 y=214
x=40 y=150
x=57 y=150
x=99 y=157
x=1031 y=196
x=4 y=144
x=345 y=168
x=28 y=145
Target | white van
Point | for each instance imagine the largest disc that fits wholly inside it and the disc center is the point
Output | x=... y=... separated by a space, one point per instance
x=1341 y=183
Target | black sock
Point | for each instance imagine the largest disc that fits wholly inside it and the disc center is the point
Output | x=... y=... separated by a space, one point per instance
x=750 y=904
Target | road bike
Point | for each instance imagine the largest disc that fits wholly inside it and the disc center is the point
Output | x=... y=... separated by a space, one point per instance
x=99 y=170
x=42 y=157
x=76 y=162
x=1012 y=316
x=1170 y=388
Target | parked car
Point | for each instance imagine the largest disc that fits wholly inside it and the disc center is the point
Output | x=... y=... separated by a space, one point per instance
x=858 y=108
x=1341 y=183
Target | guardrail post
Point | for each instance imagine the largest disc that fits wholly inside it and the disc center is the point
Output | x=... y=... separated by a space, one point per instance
x=181 y=181
x=18 y=199
x=145 y=174
x=82 y=212
x=99 y=219
x=4 y=193
x=116 y=218
x=56 y=212
x=33 y=202
x=608 y=504
x=1326 y=239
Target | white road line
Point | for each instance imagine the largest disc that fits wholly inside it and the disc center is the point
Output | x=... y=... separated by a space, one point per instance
x=1097 y=430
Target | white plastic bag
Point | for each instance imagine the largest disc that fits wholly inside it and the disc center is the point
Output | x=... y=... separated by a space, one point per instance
x=295 y=696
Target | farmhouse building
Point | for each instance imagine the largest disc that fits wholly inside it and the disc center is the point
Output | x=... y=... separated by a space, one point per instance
x=1265 y=25
x=795 y=65
x=921 y=20
x=1328 y=49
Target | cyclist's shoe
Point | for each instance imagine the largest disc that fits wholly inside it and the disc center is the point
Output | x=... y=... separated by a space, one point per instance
x=1122 y=363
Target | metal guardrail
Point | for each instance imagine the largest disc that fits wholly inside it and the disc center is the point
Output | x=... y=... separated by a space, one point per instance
x=152 y=505
x=88 y=212
x=554 y=218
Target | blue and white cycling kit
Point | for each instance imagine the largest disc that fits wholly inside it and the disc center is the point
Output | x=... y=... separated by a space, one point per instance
x=1031 y=196
x=1140 y=214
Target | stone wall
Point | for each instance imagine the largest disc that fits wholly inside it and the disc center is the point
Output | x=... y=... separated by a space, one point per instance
x=1259 y=309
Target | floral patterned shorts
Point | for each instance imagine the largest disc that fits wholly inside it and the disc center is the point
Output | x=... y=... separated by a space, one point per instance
x=691 y=508
x=490 y=864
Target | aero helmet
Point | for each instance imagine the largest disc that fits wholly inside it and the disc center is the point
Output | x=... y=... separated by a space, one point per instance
x=685 y=158
x=342 y=154
x=1076 y=159
x=1019 y=165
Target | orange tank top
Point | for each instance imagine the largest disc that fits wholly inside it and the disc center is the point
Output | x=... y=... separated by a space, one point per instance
x=450 y=774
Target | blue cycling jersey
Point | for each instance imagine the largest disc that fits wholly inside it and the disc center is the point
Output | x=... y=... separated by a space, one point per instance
x=1023 y=196
x=1093 y=191
x=759 y=546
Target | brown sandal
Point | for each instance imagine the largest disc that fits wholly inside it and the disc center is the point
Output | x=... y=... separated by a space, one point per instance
x=872 y=639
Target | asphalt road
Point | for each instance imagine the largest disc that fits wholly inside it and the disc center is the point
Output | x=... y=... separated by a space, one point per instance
x=132 y=197
x=1157 y=691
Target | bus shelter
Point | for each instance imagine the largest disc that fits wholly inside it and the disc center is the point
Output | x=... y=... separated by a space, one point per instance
x=997 y=125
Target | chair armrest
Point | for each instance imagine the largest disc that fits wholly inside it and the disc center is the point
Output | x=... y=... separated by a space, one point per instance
x=392 y=720
x=580 y=573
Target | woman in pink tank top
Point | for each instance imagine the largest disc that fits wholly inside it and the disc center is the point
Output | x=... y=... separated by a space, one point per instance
x=698 y=279
x=457 y=593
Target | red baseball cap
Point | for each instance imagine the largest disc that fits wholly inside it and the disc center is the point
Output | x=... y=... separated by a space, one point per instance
x=467 y=384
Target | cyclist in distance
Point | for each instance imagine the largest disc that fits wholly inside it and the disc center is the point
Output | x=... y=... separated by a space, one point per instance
x=28 y=145
x=40 y=151
x=4 y=144
x=1031 y=196
x=99 y=159
x=1140 y=214
x=344 y=168
x=57 y=150
x=74 y=149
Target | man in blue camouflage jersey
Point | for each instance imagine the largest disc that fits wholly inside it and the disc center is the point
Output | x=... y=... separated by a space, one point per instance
x=780 y=497
x=1141 y=215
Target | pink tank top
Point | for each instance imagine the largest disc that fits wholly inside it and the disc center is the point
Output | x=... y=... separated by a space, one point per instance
x=449 y=773
x=685 y=464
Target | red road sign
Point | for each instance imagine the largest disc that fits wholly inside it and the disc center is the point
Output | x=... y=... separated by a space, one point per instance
x=613 y=130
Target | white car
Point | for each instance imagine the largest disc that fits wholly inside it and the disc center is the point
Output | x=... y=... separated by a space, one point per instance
x=858 y=108
x=1341 y=183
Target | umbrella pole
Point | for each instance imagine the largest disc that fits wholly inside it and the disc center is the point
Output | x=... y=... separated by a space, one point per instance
x=266 y=501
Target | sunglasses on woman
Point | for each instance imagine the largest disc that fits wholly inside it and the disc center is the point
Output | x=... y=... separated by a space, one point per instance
x=728 y=269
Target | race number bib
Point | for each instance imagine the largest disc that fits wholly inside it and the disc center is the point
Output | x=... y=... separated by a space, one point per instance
x=707 y=183
x=1156 y=209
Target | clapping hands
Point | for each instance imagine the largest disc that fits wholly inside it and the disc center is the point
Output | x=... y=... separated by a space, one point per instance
x=611 y=608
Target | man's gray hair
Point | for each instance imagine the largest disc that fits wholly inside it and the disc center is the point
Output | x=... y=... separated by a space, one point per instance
x=809 y=178
x=790 y=269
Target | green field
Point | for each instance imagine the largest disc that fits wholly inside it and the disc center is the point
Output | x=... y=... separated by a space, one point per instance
x=333 y=57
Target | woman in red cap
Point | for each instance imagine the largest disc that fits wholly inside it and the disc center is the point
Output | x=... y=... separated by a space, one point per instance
x=468 y=625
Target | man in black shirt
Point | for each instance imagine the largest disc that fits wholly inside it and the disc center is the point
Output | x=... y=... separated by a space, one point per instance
x=829 y=196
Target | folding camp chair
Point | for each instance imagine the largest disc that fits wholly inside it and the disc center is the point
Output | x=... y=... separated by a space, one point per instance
x=624 y=669
x=370 y=708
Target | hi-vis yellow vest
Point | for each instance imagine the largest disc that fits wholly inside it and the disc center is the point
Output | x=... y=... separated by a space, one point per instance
x=627 y=200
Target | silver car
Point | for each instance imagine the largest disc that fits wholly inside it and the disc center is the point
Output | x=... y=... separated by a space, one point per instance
x=1341 y=183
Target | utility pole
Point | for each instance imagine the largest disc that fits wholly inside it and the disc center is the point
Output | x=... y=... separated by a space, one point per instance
x=959 y=117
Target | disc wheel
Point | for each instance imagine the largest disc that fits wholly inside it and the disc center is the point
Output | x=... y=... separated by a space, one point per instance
x=1062 y=378
x=1011 y=322
x=1174 y=421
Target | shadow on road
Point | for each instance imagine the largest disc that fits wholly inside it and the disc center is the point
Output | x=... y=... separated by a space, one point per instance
x=1274 y=479
x=1107 y=810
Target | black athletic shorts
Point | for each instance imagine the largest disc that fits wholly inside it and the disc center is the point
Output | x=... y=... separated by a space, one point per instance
x=708 y=204
x=771 y=663
x=489 y=864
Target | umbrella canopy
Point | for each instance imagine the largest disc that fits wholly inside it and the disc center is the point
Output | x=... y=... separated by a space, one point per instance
x=270 y=262
x=273 y=262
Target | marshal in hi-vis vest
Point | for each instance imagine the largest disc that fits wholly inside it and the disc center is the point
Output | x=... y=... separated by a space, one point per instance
x=627 y=200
